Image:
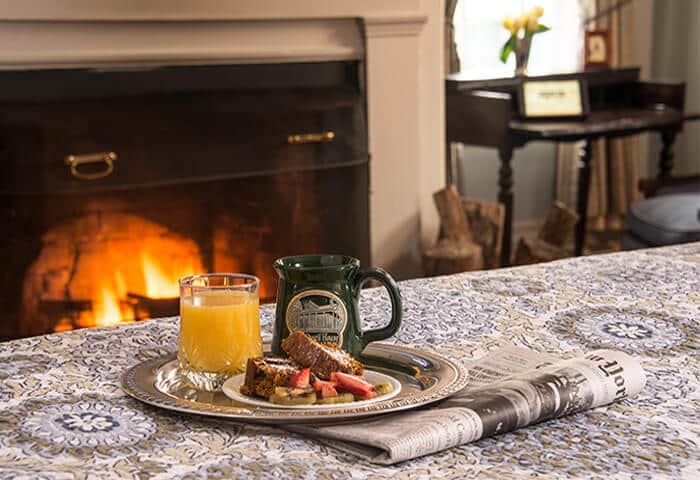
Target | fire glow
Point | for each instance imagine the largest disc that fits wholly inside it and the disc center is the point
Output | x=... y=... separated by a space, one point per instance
x=104 y=270
x=159 y=282
x=158 y=278
x=106 y=309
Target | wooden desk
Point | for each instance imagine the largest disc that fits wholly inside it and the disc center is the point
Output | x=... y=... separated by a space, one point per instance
x=484 y=112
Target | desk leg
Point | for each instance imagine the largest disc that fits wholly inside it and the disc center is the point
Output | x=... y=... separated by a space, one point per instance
x=505 y=196
x=584 y=180
x=451 y=177
x=668 y=137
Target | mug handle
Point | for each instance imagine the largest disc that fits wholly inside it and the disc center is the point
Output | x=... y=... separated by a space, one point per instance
x=389 y=283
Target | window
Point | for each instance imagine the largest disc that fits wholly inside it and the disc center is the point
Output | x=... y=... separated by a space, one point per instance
x=480 y=36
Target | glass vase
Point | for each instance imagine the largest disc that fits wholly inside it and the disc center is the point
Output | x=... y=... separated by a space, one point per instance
x=522 y=55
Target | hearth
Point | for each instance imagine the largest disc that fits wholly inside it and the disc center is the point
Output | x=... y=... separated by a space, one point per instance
x=116 y=183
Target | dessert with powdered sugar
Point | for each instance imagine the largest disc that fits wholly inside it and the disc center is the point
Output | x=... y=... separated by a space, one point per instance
x=314 y=374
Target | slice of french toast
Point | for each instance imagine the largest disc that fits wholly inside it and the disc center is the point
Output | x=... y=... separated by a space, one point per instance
x=322 y=359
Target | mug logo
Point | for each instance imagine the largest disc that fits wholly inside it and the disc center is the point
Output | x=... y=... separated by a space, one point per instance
x=320 y=314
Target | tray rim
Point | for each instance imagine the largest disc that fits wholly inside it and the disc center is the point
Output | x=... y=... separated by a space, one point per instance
x=146 y=392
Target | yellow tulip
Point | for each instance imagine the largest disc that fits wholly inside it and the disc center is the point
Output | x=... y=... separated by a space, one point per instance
x=508 y=23
x=518 y=23
x=538 y=11
x=524 y=18
x=532 y=24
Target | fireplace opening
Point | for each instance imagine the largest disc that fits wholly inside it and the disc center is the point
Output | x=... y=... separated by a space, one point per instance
x=190 y=170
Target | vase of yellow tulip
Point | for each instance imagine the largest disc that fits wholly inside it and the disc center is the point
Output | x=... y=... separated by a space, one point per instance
x=521 y=30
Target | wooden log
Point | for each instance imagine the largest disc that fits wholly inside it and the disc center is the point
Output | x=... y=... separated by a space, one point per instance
x=454 y=222
x=559 y=226
x=486 y=224
x=536 y=250
x=447 y=258
x=146 y=307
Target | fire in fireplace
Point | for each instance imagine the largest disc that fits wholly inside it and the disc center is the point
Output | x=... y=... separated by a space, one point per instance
x=102 y=268
x=119 y=183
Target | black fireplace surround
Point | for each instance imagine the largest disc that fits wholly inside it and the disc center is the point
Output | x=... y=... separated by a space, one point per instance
x=249 y=162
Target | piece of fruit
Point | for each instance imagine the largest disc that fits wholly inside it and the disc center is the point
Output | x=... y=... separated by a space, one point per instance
x=355 y=385
x=382 y=388
x=307 y=399
x=300 y=379
x=293 y=396
x=319 y=384
x=292 y=391
x=328 y=391
x=366 y=396
x=341 y=398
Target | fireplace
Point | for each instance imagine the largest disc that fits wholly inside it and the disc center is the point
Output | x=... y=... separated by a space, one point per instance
x=116 y=183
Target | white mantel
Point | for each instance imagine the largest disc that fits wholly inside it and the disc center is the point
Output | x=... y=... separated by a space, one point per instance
x=400 y=40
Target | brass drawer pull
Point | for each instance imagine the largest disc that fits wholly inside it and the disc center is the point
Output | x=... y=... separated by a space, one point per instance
x=310 y=138
x=74 y=161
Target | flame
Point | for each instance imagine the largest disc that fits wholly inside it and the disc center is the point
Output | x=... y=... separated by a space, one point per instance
x=120 y=283
x=148 y=264
x=63 y=325
x=106 y=308
x=160 y=284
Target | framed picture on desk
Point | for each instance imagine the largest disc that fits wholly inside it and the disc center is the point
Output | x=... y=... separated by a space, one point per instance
x=596 y=49
x=553 y=99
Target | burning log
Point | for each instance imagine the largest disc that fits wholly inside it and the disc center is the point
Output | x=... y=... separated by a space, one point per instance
x=147 y=307
x=61 y=307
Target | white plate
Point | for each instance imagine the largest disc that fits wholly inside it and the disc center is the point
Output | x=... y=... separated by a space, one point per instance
x=232 y=388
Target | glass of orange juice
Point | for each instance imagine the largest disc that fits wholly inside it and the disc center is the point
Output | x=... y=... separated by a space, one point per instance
x=219 y=327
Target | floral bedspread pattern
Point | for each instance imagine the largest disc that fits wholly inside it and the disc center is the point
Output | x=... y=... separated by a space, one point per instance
x=63 y=414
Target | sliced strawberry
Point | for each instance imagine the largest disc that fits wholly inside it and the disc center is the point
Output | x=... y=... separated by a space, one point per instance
x=328 y=390
x=319 y=384
x=365 y=397
x=300 y=379
x=355 y=385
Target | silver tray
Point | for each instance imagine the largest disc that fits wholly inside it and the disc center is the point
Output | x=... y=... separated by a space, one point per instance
x=425 y=378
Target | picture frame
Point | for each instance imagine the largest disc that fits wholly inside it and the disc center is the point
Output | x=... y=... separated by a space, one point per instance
x=544 y=99
x=596 y=49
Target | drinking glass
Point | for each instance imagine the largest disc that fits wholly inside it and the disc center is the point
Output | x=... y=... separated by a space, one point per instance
x=219 y=327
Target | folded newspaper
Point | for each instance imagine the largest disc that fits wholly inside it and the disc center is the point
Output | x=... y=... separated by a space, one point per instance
x=510 y=388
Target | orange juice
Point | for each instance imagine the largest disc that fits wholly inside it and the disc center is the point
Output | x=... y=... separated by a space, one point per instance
x=219 y=331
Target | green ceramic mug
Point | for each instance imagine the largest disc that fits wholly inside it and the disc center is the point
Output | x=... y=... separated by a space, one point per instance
x=319 y=294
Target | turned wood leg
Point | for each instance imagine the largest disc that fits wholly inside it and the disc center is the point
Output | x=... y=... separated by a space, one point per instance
x=505 y=196
x=584 y=180
x=668 y=137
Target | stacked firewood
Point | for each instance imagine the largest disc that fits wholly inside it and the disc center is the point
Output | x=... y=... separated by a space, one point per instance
x=470 y=237
x=551 y=242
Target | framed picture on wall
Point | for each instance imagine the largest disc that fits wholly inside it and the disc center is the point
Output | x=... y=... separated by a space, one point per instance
x=596 y=54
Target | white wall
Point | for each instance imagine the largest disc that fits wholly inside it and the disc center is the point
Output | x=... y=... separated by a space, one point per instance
x=534 y=171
